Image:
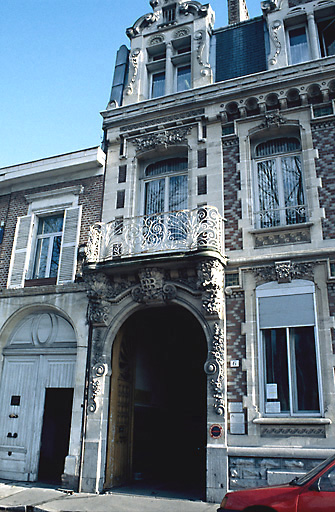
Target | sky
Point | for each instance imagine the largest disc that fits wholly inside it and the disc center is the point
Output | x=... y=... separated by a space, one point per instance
x=56 y=69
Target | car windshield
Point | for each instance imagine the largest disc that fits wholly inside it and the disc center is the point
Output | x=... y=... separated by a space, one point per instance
x=311 y=474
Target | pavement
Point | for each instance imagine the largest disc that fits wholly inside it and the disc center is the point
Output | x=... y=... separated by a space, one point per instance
x=21 y=497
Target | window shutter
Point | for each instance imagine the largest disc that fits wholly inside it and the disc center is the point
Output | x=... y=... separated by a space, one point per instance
x=68 y=255
x=21 y=251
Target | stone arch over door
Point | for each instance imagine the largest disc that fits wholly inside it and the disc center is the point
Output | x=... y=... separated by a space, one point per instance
x=198 y=287
x=40 y=354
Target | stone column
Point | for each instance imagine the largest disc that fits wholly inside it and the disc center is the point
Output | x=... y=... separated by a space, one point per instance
x=211 y=282
x=313 y=36
x=169 y=71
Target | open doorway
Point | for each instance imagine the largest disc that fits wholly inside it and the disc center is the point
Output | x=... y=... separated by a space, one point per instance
x=165 y=448
x=55 y=434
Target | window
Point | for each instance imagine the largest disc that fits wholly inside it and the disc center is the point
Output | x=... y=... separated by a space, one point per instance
x=183 y=78
x=158 y=84
x=326 y=30
x=279 y=190
x=165 y=200
x=299 y=51
x=48 y=244
x=287 y=334
x=46 y=239
x=168 y=192
x=169 y=13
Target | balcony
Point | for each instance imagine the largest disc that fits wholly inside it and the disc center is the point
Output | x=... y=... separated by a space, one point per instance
x=163 y=233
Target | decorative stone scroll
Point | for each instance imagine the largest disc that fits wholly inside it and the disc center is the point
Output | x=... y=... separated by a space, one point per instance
x=134 y=57
x=210 y=281
x=152 y=288
x=199 y=37
x=166 y=138
x=293 y=431
x=214 y=367
x=275 y=27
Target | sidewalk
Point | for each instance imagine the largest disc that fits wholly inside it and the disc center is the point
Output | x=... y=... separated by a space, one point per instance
x=36 y=498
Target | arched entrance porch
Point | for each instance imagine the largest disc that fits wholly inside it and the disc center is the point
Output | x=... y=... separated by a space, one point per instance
x=158 y=403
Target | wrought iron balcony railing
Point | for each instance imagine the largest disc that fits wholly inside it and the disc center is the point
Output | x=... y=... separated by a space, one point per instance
x=184 y=230
x=281 y=216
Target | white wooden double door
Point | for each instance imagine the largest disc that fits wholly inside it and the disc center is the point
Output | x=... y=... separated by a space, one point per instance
x=22 y=397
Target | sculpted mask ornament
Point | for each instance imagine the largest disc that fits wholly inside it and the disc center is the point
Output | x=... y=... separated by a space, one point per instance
x=152 y=287
x=272 y=119
x=214 y=366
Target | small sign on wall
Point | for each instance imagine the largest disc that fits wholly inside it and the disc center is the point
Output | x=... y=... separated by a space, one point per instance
x=215 y=431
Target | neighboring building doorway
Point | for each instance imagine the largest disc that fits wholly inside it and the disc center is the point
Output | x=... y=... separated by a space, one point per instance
x=157 y=425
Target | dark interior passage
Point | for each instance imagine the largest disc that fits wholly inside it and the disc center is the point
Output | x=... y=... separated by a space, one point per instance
x=169 y=435
x=55 y=433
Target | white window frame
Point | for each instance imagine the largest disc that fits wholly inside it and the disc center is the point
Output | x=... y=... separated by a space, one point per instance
x=289 y=29
x=273 y=289
x=42 y=204
x=166 y=177
x=152 y=83
x=36 y=237
x=277 y=157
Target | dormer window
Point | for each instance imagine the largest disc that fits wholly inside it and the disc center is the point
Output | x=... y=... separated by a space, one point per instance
x=169 y=13
x=158 y=84
x=299 y=50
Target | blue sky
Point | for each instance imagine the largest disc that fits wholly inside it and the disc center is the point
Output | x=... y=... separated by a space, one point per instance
x=56 y=60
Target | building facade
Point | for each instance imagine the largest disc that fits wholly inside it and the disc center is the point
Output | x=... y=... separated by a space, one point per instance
x=197 y=331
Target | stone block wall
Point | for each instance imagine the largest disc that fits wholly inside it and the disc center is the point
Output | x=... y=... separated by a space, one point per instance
x=248 y=472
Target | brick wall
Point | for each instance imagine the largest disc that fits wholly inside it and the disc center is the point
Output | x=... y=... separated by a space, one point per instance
x=237 y=386
x=323 y=140
x=14 y=205
x=232 y=205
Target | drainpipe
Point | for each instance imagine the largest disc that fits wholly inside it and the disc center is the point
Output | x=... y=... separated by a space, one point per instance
x=85 y=401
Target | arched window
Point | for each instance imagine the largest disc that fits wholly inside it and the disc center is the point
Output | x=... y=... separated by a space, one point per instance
x=166 y=186
x=279 y=191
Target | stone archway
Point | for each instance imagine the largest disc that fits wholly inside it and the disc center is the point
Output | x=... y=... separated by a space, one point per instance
x=157 y=420
x=195 y=284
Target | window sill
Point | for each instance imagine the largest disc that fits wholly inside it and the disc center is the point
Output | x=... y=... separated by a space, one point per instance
x=292 y=421
x=276 y=229
x=40 y=282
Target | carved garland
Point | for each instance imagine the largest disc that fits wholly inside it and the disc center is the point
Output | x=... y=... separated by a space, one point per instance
x=215 y=366
x=210 y=275
x=199 y=37
x=285 y=271
x=274 y=36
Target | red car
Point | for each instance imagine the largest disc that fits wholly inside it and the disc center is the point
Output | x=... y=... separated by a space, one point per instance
x=314 y=491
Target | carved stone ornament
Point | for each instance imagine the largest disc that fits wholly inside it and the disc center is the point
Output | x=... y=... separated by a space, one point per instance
x=94 y=390
x=166 y=138
x=157 y=39
x=214 y=366
x=193 y=7
x=162 y=120
x=285 y=271
x=181 y=32
x=275 y=27
x=210 y=281
x=272 y=119
x=152 y=288
x=134 y=57
x=199 y=37
x=142 y=23
x=97 y=291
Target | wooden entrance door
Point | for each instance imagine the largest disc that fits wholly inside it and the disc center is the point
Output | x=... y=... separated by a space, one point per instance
x=121 y=413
